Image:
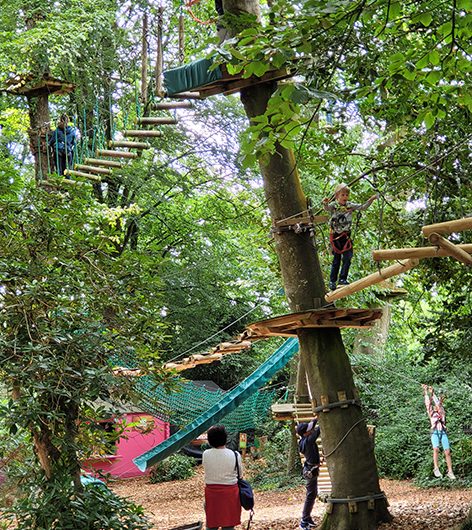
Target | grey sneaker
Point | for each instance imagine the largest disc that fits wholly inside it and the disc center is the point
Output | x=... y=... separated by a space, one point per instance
x=437 y=473
x=451 y=475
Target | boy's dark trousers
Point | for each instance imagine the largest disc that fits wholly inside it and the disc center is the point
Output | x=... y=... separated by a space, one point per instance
x=345 y=258
x=311 y=491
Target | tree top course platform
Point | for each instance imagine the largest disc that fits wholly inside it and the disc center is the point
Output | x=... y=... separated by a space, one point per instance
x=30 y=86
x=203 y=79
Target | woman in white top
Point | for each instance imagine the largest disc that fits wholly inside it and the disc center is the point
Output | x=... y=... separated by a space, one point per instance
x=222 y=504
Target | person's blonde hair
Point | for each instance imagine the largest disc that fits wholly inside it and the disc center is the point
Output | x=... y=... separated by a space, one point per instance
x=341 y=187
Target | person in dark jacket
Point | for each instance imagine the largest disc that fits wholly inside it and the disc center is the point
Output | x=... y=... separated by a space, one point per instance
x=62 y=143
x=308 y=433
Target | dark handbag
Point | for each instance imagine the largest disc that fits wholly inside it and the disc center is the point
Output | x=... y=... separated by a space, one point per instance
x=246 y=495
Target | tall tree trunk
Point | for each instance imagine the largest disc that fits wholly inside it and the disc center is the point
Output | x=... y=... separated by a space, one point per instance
x=38 y=109
x=322 y=352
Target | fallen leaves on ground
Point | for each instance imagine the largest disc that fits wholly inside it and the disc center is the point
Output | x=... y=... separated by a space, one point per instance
x=172 y=504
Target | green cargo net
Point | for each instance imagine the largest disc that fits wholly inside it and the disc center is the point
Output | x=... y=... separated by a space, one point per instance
x=181 y=407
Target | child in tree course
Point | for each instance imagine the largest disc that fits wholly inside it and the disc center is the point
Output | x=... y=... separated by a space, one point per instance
x=437 y=417
x=308 y=433
x=340 y=232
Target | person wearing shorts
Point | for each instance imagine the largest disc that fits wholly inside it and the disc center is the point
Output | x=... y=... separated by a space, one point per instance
x=437 y=417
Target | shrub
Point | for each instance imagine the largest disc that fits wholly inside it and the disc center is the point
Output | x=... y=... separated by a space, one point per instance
x=176 y=467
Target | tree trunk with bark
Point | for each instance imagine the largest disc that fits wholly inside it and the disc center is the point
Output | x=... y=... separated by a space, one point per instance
x=38 y=108
x=346 y=443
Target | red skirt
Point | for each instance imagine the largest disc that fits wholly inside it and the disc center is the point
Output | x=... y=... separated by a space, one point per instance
x=222 y=505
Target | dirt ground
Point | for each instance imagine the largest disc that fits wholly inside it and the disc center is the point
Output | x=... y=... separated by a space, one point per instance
x=173 y=504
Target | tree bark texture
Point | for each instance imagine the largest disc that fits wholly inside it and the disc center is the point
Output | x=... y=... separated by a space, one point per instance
x=38 y=109
x=346 y=443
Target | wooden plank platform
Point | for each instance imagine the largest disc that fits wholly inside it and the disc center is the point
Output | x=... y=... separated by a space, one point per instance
x=229 y=84
x=31 y=87
x=287 y=325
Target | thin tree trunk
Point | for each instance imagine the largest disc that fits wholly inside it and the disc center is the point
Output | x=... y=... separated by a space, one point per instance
x=38 y=108
x=322 y=352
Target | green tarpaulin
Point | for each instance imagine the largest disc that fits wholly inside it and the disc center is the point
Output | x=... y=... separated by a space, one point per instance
x=190 y=76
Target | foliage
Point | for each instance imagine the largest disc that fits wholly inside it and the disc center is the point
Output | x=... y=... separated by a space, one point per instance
x=176 y=467
x=59 y=505
x=269 y=470
x=393 y=400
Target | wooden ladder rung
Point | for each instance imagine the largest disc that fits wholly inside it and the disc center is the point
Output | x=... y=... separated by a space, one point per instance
x=58 y=182
x=101 y=162
x=116 y=154
x=185 y=95
x=142 y=134
x=82 y=174
x=93 y=169
x=129 y=145
x=155 y=120
x=172 y=105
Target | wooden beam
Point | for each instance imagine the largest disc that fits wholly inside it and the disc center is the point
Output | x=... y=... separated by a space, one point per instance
x=116 y=154
x=415 y=253
x=82 y=174
x=372 y=279
x=184 y=95
x=448 y=227
x=101 y=162
x=128 y=144
x=155 y=120
x=93 y=169
x=142 y=134
x=172 y=105
x=453 y=250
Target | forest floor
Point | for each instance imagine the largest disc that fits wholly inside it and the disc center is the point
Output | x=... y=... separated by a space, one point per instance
x=173 y=504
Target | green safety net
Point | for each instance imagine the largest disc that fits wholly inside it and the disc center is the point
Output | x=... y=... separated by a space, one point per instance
x=181 y=406
x=190 y=76
x=218 y=412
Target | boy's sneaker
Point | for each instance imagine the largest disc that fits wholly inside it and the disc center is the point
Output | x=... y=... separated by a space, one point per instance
x=451 y=475
x=332 y=286
x=304 y=526
x=437 y=473
x=343 y=282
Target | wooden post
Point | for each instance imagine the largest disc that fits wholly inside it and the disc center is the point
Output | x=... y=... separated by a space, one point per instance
x=452 y=250
x=372 y=279
x=73 y=173
x=93 y=169
x=415 y=253
x=144 y=60
x=159 y=53
x=243 y=443
x=101 y=162
x=448 y=227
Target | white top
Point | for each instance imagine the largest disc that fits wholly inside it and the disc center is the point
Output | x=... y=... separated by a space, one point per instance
x=220 y=466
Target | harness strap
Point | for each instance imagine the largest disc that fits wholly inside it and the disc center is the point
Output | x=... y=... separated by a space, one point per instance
x=347 y=245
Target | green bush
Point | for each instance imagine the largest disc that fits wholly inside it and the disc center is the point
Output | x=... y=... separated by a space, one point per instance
x=269 y=472
x=176 y=467
x=58 y=505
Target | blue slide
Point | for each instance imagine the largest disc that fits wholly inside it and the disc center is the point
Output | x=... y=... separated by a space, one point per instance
x=227 y=403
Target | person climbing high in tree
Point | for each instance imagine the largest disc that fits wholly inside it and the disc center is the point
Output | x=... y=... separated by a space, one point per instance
x=437 y=417
x=340 y=232
x=62 y=143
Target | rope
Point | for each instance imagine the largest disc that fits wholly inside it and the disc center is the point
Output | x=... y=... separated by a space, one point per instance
x=343 y=438
x=215 y=334
x=397 y=183
x=191 y=13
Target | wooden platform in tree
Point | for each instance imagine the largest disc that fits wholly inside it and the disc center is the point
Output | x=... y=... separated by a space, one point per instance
x=287 y=325
x=293 y=411
x=229 y=84
x=31 y=87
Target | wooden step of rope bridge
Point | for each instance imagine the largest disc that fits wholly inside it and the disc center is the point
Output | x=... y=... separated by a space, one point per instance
x=282 y=326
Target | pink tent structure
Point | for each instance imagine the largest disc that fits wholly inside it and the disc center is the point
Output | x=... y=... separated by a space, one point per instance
x=143 y=432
